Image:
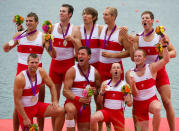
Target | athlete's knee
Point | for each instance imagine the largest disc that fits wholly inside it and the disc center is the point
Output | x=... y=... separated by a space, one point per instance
x=157 y=110
x=60 y=111
x=166 y=101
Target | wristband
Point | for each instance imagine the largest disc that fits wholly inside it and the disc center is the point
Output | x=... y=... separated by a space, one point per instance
x=77 y=98
x=164 y=46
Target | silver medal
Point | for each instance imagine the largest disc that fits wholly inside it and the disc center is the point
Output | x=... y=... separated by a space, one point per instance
x=64 y=43
x=11 y=42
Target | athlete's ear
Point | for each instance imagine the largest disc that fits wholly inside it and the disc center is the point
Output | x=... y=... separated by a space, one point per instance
x=94 y=18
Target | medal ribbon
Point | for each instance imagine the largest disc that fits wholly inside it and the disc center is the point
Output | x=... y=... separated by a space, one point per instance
x=87 y=41
x=147 y=33
x=105 y=42
x=33 y=87
x=135 y=70
x=66 y=32
x=87 y=75
x=119 y=81
x=25 y=35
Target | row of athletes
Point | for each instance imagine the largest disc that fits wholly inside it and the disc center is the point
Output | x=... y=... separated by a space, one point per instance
x=108 y=44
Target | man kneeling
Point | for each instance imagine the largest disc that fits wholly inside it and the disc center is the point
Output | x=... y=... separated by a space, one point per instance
x=26 y=91
x=114 y=100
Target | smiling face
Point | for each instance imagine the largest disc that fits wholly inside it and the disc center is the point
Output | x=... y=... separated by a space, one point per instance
x=116 y=70
x=83 y=57
x=147 y=21
x=31 y=23
x=64 y=14
x=33 y=64
x=139 y=57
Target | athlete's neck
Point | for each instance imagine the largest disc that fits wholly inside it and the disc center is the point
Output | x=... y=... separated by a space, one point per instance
x=148 y=30
x=30 y=30
x=64 y=23
x=32 y=74
x=140 y=66
x=88 y=27
x=111 y=26
x=115 y=79
x=85 y=68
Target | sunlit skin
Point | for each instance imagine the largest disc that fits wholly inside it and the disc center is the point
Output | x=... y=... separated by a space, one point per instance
x=116 y=70
x=87 y=18
x=33 y=64
x=139 y=58
x=64 y=15
x=83 y=57
x=107 y=16
x=147 y=22
x=31 y=23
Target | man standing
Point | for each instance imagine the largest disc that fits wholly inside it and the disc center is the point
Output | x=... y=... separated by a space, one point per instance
x=142 y=79
x=78 y=78
x=29 y=41
x=113 y=99
x=112 y=42
x=147 y=41
x=26 y=90
x=65 y=44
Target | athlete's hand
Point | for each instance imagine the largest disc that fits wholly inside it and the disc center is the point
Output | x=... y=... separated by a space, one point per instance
x=6 y=47
x=84 y=100
x=27 y=122
x=20 y=28
x=69 y=38
x=55 y=104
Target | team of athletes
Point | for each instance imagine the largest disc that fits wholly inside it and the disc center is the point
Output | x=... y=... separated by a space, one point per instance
x=99 y=50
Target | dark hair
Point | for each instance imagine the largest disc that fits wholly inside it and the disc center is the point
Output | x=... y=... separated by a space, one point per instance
x=91 y=11
x=32 y=14
x=88 y=50
x=70 y=8
x=144 y=52
x=148 y=12
x=32 y=56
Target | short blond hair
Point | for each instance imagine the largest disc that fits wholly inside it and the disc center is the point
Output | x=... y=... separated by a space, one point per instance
x=113 y=11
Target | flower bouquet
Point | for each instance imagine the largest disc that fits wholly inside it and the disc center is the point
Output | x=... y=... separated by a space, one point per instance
x=87 y=92
x=159 y=47
x=33 y=127
x=47 y=26
x=160 y=30
x=126 y=89
x=18 y=19
x=49 y=38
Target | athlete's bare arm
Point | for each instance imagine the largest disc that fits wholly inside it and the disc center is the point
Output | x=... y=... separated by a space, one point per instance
x=7 y=47
x=130 y=80
x=76 y=37
x=46 y=44
x=98 y=84
x=156 y=66
x=133 y=41
x=19 y=85
x=68 y=83
x=47 y=80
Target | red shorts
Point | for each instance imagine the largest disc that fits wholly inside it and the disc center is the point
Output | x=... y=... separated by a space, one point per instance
x=162 y=78
x=114 y=116
x=21 y=67
x=104 y=70
x=37 y=110
x=58 y=69
x=141 y=109
x=83 y=112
